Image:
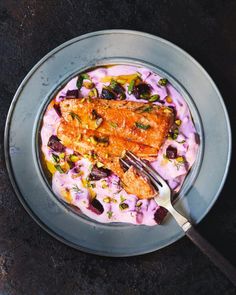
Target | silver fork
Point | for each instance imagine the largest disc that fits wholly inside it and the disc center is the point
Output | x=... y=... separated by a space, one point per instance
x=163 y=199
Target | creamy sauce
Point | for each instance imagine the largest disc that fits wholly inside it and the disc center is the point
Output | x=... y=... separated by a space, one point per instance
x=76 y=191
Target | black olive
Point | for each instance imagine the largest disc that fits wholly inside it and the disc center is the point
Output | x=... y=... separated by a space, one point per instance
x=72 y=93
x=108 y=93
x=57 y=109
x=171 y=152
x=96 y=206
x=55 y=144
x=160 y=215
x=98 y=173
x=142 y=91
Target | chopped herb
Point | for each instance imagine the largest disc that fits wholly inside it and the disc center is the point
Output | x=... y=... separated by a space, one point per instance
x=107 y=200
x=122 y=199
x=73 y=158
x=99 y=164
x=131 y=86
x=178 y=122
x=144 y=96
x=180 y=160
x=56 y=158
x=163 y=82
x=104 y=184
x=75 y=116
x=93 y=93
x=166 y=158
x=109 y=213
x=76 y=189
x=58 y=167
x=123 y=206
x=182 y=141
x=113 y=84
x=142 y=126
x=80 y=80
x=144 y=109
x=62 y=155
x=113 y=124
x=139 y=204
x=154 y=97
x=174 y=134
x=88 y=84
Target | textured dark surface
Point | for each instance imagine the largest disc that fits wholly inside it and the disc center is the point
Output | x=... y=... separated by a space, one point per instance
x=31 y=262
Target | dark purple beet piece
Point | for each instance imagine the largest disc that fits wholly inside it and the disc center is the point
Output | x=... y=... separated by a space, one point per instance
x=171 y=152
x=98 y=173
x=55 y=144
x=96 y=206
x=160 y=214
x=72 y=93
x=108 y=94
x=142 y=91
x=57 y=109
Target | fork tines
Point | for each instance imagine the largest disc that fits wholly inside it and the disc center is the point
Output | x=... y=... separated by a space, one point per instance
x=130 y=159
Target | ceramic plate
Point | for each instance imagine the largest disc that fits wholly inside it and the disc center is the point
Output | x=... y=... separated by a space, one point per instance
x=202 y=185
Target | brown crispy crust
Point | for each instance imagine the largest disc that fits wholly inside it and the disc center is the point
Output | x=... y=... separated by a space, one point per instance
x=120 y=118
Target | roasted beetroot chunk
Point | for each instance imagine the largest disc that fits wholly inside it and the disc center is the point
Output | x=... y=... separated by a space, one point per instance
x=142 y=91
x=171 y=152
x=99 y=173
x=96 y=206
x=107 y=93
x=57 y=109
x=72 y=93
x=160 y=214
x=55 y=144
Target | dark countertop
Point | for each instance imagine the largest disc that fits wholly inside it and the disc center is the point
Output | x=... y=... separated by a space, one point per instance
x=31 y=261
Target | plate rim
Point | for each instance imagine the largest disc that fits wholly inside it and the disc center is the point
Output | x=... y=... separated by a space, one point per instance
x=24 y=82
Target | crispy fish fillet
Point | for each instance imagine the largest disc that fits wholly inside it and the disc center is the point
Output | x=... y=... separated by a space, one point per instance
x=105 y=146
x=108 y=151
x=139 y=122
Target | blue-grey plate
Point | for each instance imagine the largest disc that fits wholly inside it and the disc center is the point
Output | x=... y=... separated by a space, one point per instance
x=203 y=184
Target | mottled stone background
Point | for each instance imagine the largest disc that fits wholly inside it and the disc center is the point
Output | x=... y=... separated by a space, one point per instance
x=32 y=262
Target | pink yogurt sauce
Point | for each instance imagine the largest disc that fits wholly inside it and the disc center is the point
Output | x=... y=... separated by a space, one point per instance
x=138 y=211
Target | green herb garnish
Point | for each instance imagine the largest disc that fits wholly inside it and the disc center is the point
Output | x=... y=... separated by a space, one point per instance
x=122 y=199
x=142 y=126
x=76 y=189
x=113 y=84
x=163 y=82
x=80 y=80
x=58 y=167
x=154 y=97
x=144 y=109
x=166 y=158
x=75 y=116
x=109 y=213
x=123 y=206
x=131 y=86
x=56 y=158
x=113 y=124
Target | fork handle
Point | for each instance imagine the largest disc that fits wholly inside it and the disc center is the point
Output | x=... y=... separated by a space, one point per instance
x=223 y=264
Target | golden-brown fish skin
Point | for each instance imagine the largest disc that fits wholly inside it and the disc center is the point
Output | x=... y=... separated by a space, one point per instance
x=139 y=122
x=109 y=154
x=84 y=141
x=137 y=184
